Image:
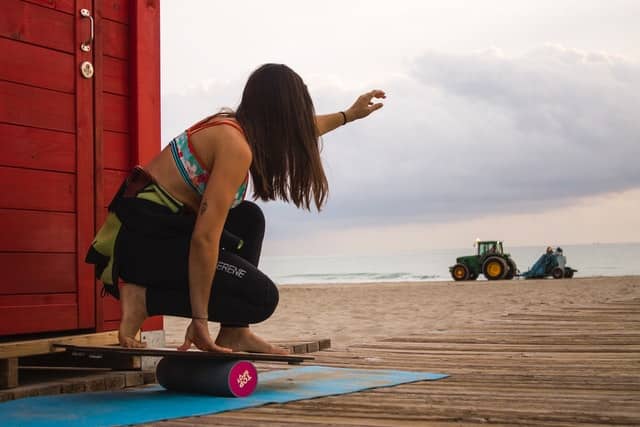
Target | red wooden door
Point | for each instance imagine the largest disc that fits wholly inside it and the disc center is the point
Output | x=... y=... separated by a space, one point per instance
x=46 y=167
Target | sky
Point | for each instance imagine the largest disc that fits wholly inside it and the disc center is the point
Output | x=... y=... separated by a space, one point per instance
x=511 y=120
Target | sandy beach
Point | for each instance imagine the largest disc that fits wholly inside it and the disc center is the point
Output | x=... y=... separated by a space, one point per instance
x=351 y=314
x=539 y=352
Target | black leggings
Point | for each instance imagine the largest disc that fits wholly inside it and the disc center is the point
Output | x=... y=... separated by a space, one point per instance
x=241 y=294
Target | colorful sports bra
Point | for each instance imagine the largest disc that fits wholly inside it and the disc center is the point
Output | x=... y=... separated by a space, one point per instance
x=192 y=168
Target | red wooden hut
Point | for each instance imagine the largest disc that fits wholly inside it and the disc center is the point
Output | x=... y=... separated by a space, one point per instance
x=79 y=105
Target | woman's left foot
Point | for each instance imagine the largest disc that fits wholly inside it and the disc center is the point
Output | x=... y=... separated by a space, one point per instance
x=243 y=339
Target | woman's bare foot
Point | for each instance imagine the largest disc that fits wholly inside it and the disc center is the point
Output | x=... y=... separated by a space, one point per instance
x=242 y=339
x=134 y=312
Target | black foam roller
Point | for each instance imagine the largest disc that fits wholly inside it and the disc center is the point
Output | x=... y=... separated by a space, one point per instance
x=231 y=378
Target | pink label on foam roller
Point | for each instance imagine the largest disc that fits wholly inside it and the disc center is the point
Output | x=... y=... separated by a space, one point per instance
x=243 y=378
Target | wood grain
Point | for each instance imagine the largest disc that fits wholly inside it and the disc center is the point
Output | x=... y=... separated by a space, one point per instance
x=571 y=366
x=36 y=66
x=37 y=190
x=31 y=23
x=116 y=10
x=37 y=148
x=36 y=107
x=37 y=273
x=32 y=231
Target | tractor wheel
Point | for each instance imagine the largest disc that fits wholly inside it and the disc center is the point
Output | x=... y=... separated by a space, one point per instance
x=568 y=273
x=513 y=269
x=495 y=268
x=460 y=272
x=557 y=273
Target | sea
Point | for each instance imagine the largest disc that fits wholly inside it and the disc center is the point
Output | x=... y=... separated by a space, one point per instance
x=433 y=265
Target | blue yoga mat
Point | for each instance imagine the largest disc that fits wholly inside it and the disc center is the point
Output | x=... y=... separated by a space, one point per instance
x=155 y=403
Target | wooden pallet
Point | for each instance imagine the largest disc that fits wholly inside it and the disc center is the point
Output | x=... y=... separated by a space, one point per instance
x=12 y=352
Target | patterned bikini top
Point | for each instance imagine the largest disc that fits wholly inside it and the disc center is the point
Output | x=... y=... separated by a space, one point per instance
x=191 y=167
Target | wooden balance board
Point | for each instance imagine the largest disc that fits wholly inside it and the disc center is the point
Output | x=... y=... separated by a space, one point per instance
x=195 y=371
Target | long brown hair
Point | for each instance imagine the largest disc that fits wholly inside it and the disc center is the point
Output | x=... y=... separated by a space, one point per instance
x=278 y=118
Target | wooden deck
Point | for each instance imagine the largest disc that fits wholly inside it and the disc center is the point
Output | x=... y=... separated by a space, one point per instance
x=574 y=365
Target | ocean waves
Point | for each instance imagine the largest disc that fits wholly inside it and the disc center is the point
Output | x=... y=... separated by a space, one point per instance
x=354 y=277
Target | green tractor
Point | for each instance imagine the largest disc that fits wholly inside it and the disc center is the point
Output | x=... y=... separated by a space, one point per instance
x=490 y=260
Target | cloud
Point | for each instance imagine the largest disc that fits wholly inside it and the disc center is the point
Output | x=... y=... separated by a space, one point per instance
x=467 y=135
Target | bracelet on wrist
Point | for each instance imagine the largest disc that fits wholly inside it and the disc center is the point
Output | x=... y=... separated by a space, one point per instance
x=199 y=318
x=344 y=118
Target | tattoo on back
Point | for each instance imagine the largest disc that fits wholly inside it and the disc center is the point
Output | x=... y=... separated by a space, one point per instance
x=203 y=206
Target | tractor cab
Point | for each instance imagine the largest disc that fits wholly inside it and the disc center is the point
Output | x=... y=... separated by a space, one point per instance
x=490 y=247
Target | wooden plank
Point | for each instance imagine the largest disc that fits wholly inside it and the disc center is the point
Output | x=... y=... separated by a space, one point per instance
x=85 y=180
x=115 y=39
x=36 y=148
x=42 y=299
x=37 y=190
x=43 y=346
x=117 y=151
x=24 y=63
x=41 y=108
x=61 y=5
x=37 y=25
x=112 y=181
x=110 y=325
x=38 y=318
x=33 y=231
x=8 y=373
x=37 y=273
x=116 y=76
x=145 y=48
x=116 y=10
x=116 y=113
x=98 y=150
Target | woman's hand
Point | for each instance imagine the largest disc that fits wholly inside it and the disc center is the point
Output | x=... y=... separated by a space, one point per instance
x=364 y=105
x=198 y=334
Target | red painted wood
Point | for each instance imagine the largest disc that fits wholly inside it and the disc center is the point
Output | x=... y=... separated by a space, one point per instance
x=145 y=90
x=35 y=231
x=37 y=318
x=112 y=181
x=37 y=148
x=117 y=151
x=99 y=149
x=38 y=190
x=34 y=273
x=116 y=113
x=36 y=66
x=116 y=10
x=61 y=5
x=116 y=36
x=154 y=323
x=42 y=108
x=37 y=299
x=110 y=325
x=116 y=75
x=85 y=223
x=111 y=308
x=38 y=25
x=145 y=46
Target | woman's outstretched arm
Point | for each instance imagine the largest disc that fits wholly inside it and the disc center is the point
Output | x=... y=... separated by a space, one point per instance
x=363 y=106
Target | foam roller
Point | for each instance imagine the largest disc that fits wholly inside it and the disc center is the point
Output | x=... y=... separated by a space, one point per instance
x=229 y=378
